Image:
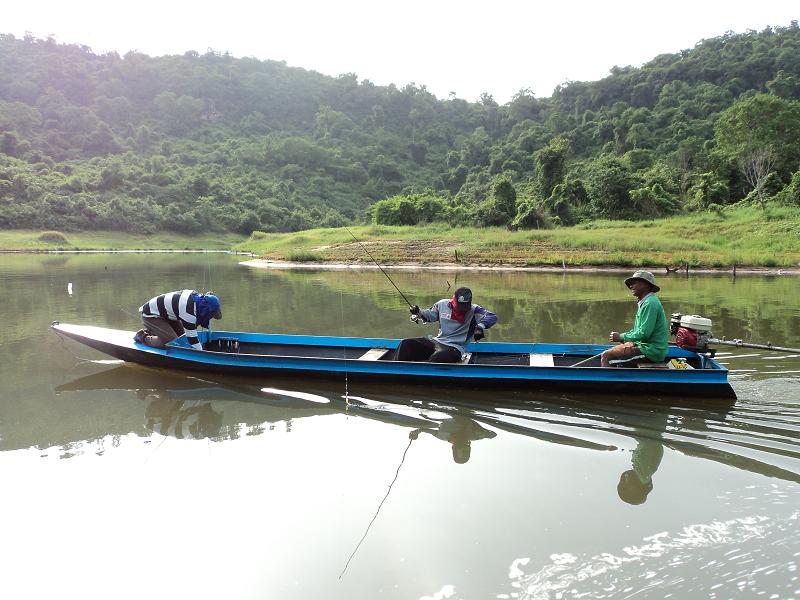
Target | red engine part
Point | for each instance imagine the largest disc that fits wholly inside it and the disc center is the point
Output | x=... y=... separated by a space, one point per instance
x=686 y=338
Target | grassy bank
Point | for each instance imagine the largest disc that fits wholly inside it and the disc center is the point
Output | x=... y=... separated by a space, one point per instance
x=744 y=237
x=27 y=240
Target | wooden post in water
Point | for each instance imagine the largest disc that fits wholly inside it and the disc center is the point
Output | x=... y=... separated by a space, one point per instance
x=734 y=270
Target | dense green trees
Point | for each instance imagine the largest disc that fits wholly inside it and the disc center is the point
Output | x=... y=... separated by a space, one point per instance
x=760 y=121
x=210 y=142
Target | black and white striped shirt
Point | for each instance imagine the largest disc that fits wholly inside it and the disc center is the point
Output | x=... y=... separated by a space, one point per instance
x=176 y=306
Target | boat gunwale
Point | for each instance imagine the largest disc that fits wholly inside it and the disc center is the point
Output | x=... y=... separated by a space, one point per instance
x=709 y=382
x=578 y=350
x=173 y=348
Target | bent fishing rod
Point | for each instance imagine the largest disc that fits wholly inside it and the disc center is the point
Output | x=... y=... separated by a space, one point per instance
x=380 y=267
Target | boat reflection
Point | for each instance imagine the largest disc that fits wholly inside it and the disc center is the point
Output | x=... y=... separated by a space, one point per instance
x=178 y=418
x=195 y=408
x=189 y=407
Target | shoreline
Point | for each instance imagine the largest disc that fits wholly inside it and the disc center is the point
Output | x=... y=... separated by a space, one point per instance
x=136 y=251
x=341 y=266
x=263 y=263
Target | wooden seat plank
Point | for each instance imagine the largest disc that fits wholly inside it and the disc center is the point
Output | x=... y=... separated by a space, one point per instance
x=373 y=354
x=541 y=360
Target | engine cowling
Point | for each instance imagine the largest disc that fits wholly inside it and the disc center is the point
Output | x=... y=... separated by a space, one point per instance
x=691 y=332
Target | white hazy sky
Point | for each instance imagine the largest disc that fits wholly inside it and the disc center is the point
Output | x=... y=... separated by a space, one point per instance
x=465 y=46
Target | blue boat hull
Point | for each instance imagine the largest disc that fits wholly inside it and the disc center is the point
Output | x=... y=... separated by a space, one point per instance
x=323 y=356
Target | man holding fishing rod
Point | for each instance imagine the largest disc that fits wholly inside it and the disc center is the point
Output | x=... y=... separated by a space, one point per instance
x=460 y=321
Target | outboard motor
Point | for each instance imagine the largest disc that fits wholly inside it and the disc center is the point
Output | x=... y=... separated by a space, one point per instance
x=691 y=332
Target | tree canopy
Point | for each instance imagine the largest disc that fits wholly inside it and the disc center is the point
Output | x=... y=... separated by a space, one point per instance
x=211 y=142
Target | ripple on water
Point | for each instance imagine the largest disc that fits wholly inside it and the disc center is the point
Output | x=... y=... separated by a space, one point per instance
x=743 y=557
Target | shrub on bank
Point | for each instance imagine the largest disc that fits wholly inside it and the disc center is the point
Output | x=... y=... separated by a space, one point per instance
x=53 y=237
x=304 y=256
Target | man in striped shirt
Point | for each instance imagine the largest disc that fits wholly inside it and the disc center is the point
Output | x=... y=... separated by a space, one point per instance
x=171 y=315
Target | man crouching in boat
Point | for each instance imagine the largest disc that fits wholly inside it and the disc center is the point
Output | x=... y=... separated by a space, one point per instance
x=459 y=322
x=171 y=315
x=648 y=340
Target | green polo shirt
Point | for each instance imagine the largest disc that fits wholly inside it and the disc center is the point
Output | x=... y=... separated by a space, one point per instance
x=650 y=331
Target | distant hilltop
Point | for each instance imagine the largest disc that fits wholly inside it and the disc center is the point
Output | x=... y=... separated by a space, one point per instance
x=210 y=143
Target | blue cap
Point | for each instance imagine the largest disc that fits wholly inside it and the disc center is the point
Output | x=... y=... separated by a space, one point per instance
x=214 y=305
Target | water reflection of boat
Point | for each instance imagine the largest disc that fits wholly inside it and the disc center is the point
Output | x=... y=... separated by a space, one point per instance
x=488 y=364
x=186 y=406
x=726 y=433
x=190 y=407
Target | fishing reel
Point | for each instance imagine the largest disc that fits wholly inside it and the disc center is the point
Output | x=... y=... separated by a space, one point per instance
x=691 y=332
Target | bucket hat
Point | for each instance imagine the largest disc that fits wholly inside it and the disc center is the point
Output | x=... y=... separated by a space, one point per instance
x=644 y=276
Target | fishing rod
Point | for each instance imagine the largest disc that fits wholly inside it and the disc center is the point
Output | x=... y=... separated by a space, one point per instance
x=380 y=267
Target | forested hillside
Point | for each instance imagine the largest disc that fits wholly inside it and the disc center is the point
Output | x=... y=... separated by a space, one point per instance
x=211 y=142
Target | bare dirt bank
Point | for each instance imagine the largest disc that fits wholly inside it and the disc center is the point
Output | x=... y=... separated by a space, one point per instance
x=361 y=266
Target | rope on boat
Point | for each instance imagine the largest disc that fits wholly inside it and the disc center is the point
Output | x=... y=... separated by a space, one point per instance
x=578 y=364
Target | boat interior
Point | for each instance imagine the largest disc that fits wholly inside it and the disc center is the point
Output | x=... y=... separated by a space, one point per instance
x=235 y=346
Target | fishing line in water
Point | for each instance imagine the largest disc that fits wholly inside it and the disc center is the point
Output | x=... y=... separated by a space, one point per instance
x=81 y=359
x=161 y=443
x=375 y=516
x=344 y=351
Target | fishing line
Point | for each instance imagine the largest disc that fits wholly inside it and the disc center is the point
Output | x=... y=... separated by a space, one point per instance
x=210 y=285
x=130 y=314
x=363 y=537
x=161 y=443
x=81 y=359
x=380 y=267
x=344 y=351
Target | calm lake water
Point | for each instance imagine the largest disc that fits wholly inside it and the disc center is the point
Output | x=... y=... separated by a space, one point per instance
x=123 y=482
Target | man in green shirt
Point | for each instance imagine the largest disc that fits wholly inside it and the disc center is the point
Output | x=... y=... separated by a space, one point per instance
x=647 y=341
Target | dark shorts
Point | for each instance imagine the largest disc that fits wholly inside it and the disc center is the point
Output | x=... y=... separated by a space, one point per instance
x=425 y=349
x=164 y=329
x=626 y=354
